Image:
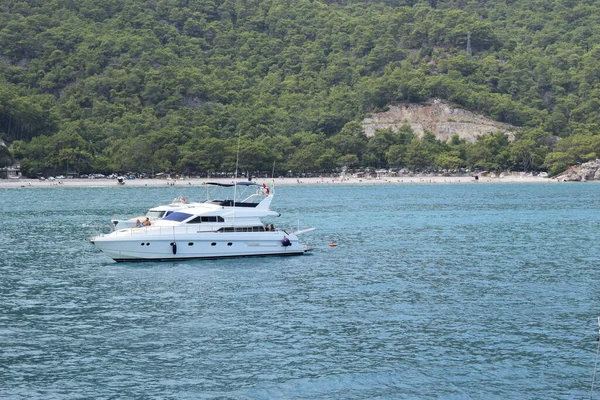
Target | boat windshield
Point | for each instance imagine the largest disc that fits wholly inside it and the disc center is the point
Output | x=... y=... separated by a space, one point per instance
x=155 y=214
x=177 y=216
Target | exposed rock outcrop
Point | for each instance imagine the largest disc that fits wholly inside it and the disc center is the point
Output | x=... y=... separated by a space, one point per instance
x=589 y=171
x=439 y=118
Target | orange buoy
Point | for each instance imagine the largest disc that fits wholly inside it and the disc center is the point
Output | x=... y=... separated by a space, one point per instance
x=332 y=244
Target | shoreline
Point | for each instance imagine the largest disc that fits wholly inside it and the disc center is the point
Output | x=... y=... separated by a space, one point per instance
x=403 y=180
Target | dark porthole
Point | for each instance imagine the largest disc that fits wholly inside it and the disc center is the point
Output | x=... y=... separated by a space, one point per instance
x=213 y=244
x=143 y=244
x=190 y=243
x=229 y=244
x=147 y=244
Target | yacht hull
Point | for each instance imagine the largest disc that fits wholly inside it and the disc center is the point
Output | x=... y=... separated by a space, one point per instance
x=146 y=245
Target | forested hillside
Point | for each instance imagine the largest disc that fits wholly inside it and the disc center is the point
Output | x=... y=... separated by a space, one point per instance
x=170 y=85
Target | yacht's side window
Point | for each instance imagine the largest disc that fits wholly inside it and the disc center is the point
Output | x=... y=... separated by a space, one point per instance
x=199 y=219
x=213 y=219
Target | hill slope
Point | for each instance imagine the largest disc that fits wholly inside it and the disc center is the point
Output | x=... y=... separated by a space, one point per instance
x=438 y=117
x=143 y=85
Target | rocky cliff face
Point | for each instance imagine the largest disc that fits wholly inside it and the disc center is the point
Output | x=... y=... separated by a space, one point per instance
x=589 y=171
x=439 y=118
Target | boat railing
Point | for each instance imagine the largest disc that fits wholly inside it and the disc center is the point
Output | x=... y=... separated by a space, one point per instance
x=165 y=230
x=159 y=230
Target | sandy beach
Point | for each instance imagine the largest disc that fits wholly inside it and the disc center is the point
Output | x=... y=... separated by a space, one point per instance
x=31 y=183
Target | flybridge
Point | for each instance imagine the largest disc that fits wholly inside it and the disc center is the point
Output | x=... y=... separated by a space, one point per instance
x=242 y=183
x=245 y=194
x=231 y=203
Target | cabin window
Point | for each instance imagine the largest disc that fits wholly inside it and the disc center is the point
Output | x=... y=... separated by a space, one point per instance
x=178 y=216
x=201 y=219
x=190 y=243
x=213 y=244
x=229 y=244
x=213 y=219
x=242 y=229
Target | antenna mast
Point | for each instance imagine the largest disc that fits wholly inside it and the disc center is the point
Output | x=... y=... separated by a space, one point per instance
x=595 y=364
x=273 y=177
x=235 y=177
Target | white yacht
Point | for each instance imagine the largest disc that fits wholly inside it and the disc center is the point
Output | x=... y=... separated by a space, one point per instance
x=212 y=229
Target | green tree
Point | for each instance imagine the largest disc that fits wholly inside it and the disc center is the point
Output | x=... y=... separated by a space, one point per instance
x=489 y=152
x=448 y=161
x=418 y=157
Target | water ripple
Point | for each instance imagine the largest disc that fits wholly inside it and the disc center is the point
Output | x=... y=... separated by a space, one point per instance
x=433 y=292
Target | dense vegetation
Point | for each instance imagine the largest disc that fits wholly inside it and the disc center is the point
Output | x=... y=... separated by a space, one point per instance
x=179 y=85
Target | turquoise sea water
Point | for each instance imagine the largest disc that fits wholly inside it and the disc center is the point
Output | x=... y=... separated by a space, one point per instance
x=461 y=291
